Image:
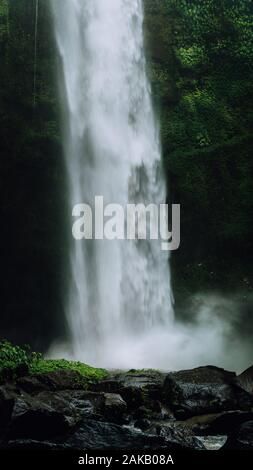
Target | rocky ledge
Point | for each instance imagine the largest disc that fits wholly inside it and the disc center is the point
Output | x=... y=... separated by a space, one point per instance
x=202 y=408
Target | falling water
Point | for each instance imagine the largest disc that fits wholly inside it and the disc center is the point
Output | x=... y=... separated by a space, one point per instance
x=118 y=290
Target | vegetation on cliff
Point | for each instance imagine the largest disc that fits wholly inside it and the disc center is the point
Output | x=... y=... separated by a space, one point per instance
x=201 y=67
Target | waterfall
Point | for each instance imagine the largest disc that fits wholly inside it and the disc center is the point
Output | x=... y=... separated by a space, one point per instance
x=119 y=291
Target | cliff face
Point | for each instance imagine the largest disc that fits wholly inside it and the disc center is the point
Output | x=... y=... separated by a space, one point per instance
x=32 y=177
x=200 y=65
x=201 y=70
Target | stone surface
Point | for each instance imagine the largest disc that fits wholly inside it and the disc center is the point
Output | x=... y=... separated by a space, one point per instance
x=218 y=424
x=114 y=407
x=242 y=438
x=136 y=387
x=178 y=436
x=193 y=409
x=246 y=380
x=204 y=390
x=56 y=380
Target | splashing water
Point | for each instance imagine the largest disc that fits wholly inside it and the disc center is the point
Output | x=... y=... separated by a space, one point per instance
x=118 y=288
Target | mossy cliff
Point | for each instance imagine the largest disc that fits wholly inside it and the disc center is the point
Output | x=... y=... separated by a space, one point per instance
x=201 y=67
x=200 y=58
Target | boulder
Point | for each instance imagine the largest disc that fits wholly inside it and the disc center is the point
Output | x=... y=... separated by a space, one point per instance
x=35 y=418
x=142 y=424
x=241 y=438
x=114 y=407
x=8 y=393
x=246 y=380
x=204 y=390
x=218 y=424
x=94 y=435
x=101 y=435
x=61 y=379
x=49 y=414
x=178 y=436
x=137 y=388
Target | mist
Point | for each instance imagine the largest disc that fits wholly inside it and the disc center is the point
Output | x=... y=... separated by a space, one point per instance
x=214 y=335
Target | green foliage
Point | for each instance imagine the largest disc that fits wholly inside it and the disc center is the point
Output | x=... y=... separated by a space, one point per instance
x=201 y=69
x=191 y=57
x=15 y=360
x=4 y=19
x=90 y=374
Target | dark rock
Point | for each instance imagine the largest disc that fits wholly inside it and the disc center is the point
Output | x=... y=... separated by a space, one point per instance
x=99 y=435
x=31 y=444
x=57 y=414
x=141 y=413
x=178 y=436
x=142 y=424
x=242 y=438
x=246 y=380
x=96 y=435
x=204 y=390
x=56 y=380
x=85 y=403
x=136 y=388
x=114 y=407
x=35 y=419
x=49 y=414
x=8 y=394
x=218 y=424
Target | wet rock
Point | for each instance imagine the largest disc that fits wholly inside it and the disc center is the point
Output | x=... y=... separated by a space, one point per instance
x=218 y=424
x=204 y=390
x=114 y=407
x=50 y=411
x=142 y=424
x=246 y=380
x=141 y=413
x=213 y=442
x=49 y=414
x=8 y=393
x=136 y=388
x=94 y=435
x=178 y=436
x=56 y=380
x=30 y=444
x=36 y=419
x=100 y=435
x=242 y=438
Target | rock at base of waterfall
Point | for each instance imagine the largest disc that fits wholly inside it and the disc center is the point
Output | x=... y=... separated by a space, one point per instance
x=56 y=380
x=193 y=409
x=246 y=380
x=138 y=388
x=242 y=438
x=204 y=390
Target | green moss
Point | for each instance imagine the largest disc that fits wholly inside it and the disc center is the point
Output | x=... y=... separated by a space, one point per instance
x=15 y=358
x=91 y=374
